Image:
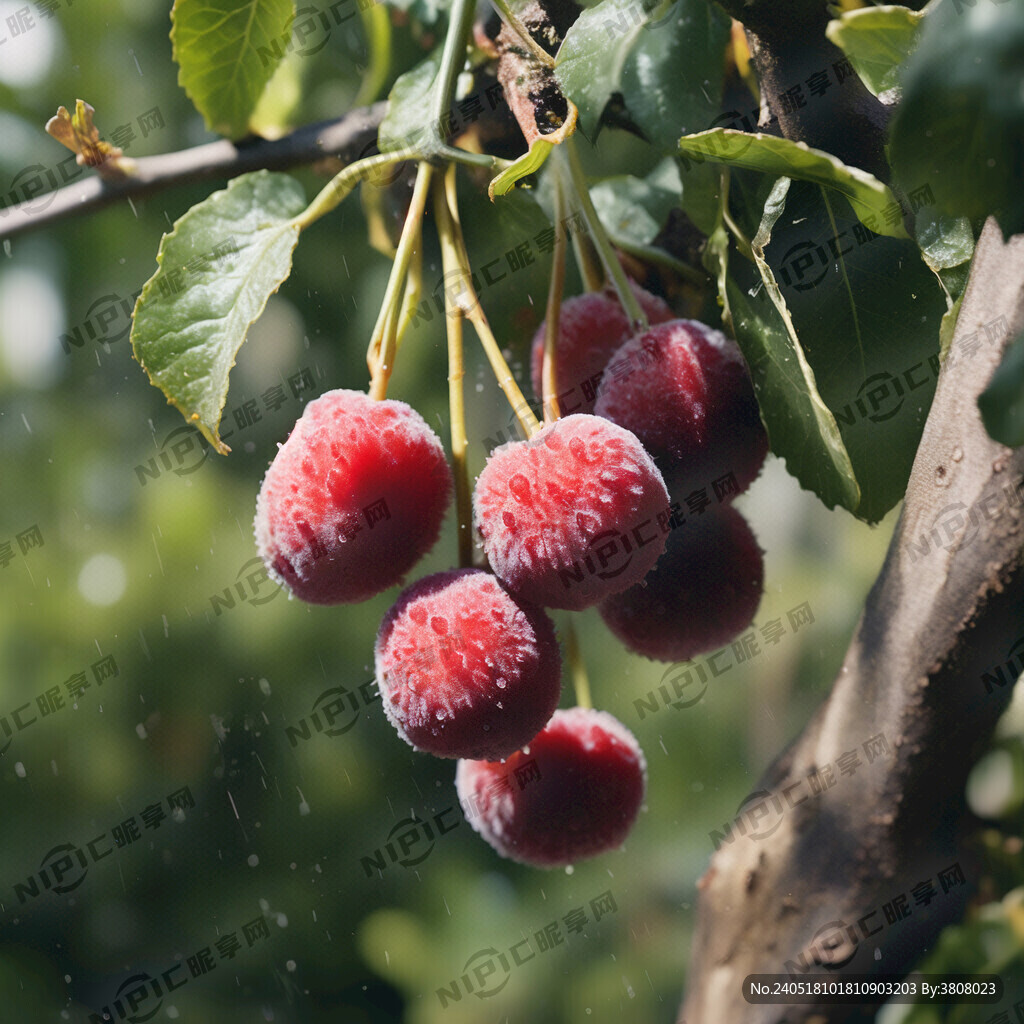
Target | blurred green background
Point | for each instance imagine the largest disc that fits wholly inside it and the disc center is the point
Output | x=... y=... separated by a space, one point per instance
x=122 y=545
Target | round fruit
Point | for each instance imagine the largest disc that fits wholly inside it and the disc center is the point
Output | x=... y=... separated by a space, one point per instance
x=464 y=669
x=353 y=499
x=590 y=328
x=703 y=592
x=573 y=793
x=570 y=516
x=686 y=393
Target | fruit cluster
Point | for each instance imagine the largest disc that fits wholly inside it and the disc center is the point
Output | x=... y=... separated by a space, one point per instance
x=467 y=661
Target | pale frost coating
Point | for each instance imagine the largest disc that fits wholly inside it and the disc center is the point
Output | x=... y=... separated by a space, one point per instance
x=574 y=792
x=571 y=515
x=353 y=499
x=688 y=397
x=464 y=669
x=590 y=328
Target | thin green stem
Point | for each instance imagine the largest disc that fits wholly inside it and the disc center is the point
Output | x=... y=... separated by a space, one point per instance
x=460 y=24
x=580 y=682
x=588 y=261
x=612 y=267
x=443 y=196
x=469 y=302
x=549 y=382
x=658 y=257
x=413 y=289
x=345 y=180
x=521 y=30
x=383 y=342
x=742 y=242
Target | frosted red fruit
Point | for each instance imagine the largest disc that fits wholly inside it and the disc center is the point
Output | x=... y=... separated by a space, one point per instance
x=687 y=395
x=590 y=328
x=464 y=669
x=353 y=499
x=702 y=594
x=573 y=793
x=570 y=516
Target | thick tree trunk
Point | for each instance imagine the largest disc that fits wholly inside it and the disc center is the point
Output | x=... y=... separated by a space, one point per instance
x=827 y=882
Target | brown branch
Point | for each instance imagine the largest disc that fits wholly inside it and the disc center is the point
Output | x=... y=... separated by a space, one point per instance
x=788 y=45
x=946 y=608
x=346 y=138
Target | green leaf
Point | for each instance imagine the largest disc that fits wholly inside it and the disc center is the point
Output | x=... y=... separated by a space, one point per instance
x=877 y=40
x=663 y=63
x=1002 y=402
x=377 y=26
x=959 y=131
x=227 y=51
x=868 y=312
x=672 y=79
x=635 y=209
x=872 y=201
x=217 y=267
x=801 y=428
x=533 y=159
x=403 y=125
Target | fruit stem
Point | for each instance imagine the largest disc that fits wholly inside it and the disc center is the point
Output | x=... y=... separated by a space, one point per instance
x=588 y=261
x=380 y=356
x=413 y=288
x=469 y=303
x=605 y=250
x=742 y=242
x=580 y=682
x=444 y=200
x=549 y=382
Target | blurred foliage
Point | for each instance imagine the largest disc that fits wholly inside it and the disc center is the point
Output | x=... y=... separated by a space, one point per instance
x=213 y=690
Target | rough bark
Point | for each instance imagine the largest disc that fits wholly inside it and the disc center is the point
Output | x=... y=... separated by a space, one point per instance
x=788 y=45
x=944 y=611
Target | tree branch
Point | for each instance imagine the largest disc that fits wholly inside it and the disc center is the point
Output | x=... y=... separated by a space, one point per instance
x=788 y=45
x=947 y=606
x=346 y=138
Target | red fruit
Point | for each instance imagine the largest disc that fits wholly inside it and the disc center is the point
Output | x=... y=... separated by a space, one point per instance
x=353 y=499
x=687 y=395
x=590 y=328
x=464 y=669
x=570 y=516
x=580 y=797
x=703 y=592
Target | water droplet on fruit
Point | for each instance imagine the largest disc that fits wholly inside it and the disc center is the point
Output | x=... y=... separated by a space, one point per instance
x=578 y=449
x=439 y=625
x=520 y=487
x=509 y=520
